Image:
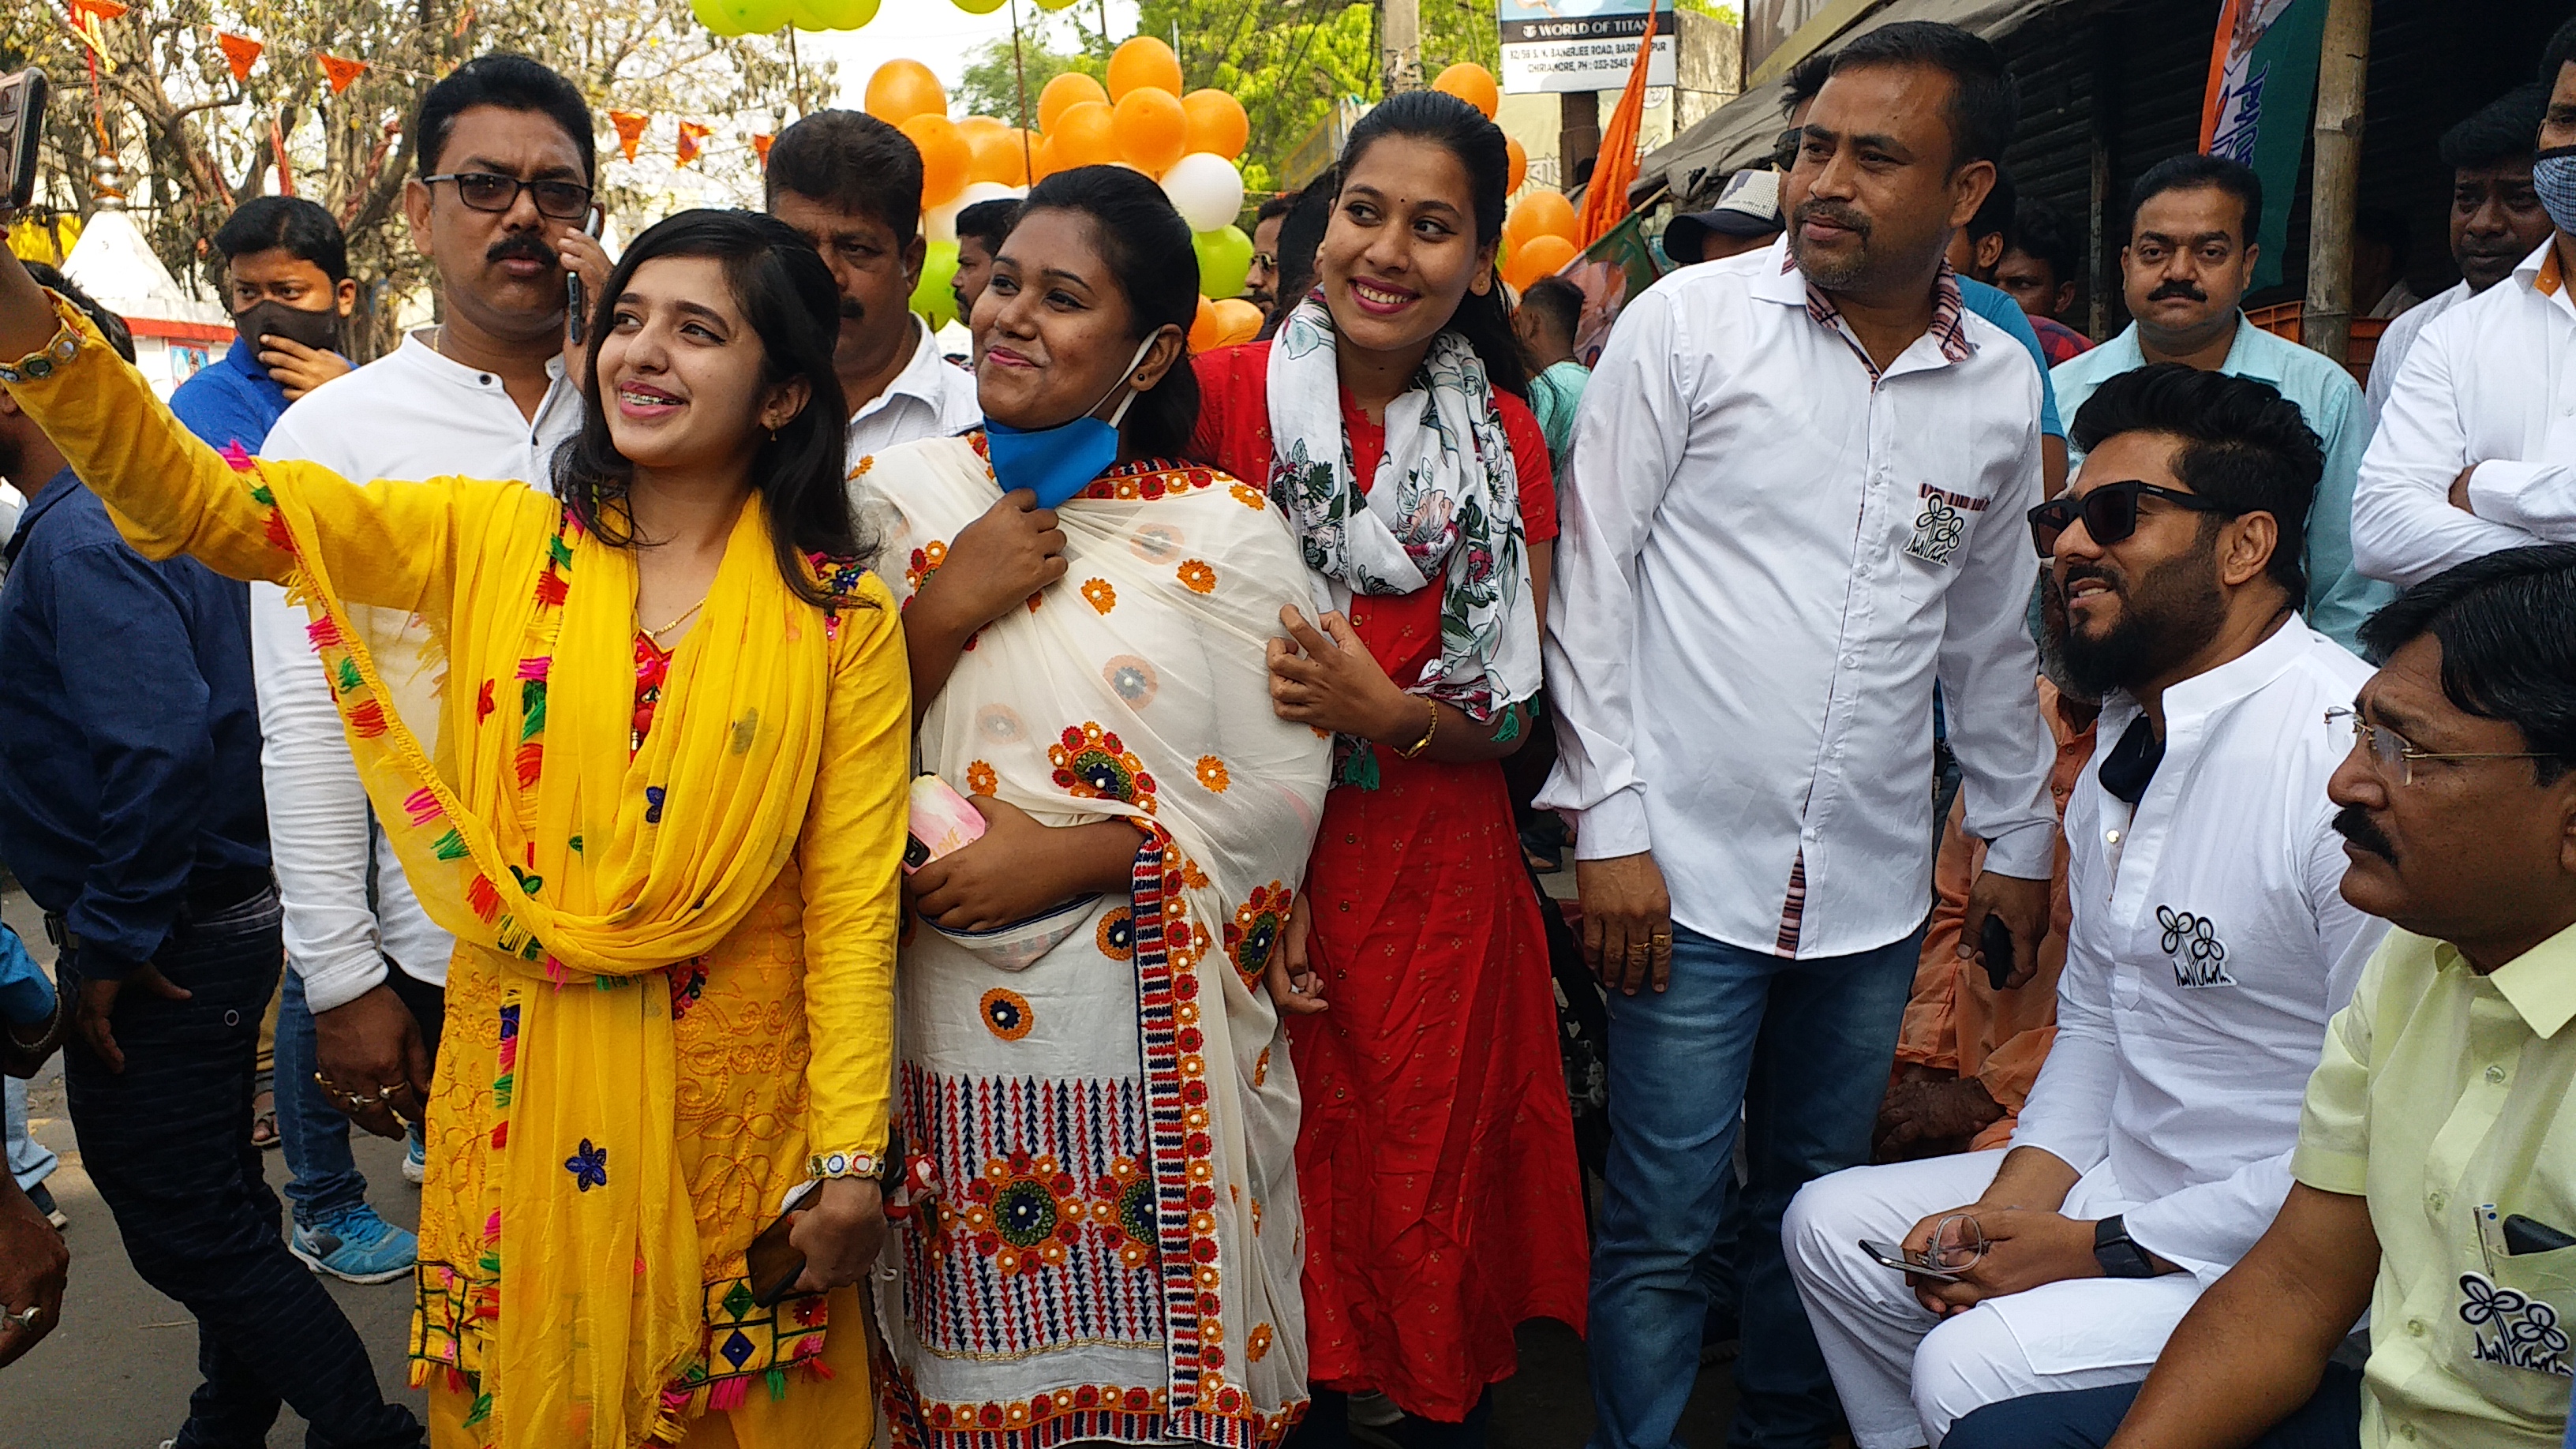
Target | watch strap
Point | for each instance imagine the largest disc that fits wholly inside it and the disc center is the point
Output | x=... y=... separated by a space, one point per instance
x=2118 y=1255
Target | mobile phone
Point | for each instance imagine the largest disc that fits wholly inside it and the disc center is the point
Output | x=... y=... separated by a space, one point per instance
x=941 y=822
x=575 y=323
x=1891 y=1256
x=22 y=124
x=772 y=1263
x=1996 y=942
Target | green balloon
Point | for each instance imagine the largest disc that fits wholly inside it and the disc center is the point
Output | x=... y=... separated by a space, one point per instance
x=931 y=298
x=716 y=16
x=759 y=17
x=1225 y=259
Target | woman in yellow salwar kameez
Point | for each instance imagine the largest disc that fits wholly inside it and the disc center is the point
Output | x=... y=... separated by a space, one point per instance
x=668 y=853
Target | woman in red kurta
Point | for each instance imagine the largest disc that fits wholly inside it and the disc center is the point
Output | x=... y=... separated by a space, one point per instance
x=1436 y=1154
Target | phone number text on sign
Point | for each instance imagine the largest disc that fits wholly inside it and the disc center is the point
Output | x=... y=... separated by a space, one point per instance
x=1581 y=65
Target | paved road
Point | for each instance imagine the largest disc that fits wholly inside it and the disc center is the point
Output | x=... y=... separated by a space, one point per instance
x=117 y=1372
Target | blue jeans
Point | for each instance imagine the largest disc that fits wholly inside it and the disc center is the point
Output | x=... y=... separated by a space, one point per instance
x=323 y=1178
x=2087 y=1418
x=1799 y=1051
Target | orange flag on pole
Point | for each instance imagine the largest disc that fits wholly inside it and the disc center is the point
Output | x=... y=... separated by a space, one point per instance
x=341 y=71
x=240 y=52
x=630 y=129
x=98 y=9
x=691 y=136
x=760 y=147
x=1605 y=199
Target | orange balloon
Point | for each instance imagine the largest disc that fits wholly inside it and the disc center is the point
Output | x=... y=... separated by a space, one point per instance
x=1140 y=63
x=972 y=126
x=1208 y=331
x=1520 y=165
x=903 y=89
x=1540 y=256
x=1473 y=84
x=945 y=157
x=1041 y=159
x=999 y=155
x=1085 y=135
x=1239 y=319
x=1217 y=123
x=1541 y=213
x=1152 y=129
x=1064 y=93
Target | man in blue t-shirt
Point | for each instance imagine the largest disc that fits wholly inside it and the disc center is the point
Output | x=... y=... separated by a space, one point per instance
x=1975 y=251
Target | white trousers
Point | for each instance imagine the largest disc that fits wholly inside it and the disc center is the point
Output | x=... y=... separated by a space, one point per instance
x=1905 y=1376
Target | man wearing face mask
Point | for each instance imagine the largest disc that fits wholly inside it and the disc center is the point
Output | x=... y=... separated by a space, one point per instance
x=2480 y=452
x=506 y=165
x=2187 y=264
x=2201 y=964
x=286 y=274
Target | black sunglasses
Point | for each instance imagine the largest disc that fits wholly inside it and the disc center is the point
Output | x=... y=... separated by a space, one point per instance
x=2110 y=512
x=483 y=191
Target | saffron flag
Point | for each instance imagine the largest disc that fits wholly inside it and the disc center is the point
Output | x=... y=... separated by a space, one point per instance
x=692 y=136
x=760 y=147
x=342 y=72
x=2262 y=81
x=84 y=10
x=630 y=129
x=240 y=52
x=1605 y=198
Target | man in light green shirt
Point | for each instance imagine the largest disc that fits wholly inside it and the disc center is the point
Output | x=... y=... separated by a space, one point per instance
x=1545 y=321
x=2436 y=1165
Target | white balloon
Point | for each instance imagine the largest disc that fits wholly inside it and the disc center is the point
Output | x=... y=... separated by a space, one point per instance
x=939 y=223
x=1205 y=189
x=982 y=191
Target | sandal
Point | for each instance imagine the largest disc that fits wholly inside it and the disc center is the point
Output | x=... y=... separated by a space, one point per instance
x=263 y=1121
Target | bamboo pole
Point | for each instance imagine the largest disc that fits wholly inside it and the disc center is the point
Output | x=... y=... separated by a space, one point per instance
x=2343 y=76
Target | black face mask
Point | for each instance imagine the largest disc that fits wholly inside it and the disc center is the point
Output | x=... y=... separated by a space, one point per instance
x=317 y=330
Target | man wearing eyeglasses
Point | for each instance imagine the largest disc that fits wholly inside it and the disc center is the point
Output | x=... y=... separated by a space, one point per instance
x=2436 y=1163
x=2202 y=962
x=506 y=167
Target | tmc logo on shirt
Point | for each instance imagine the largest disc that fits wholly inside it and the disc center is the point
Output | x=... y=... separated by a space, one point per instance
x=2199 y=957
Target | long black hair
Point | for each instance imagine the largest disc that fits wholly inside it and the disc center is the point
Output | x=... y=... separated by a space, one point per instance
x=1462 y=130
x=1147 y=247
x=786 y=293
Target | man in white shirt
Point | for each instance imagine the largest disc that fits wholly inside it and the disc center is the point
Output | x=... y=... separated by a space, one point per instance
x=1794 y=500
x=2477 y=449
x=2496 y=220
x=851 y=184
x=2201 y=967
x=484 y=395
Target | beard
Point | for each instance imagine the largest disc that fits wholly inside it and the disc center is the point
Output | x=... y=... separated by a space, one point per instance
x=2166 y=616
x=2051 y=606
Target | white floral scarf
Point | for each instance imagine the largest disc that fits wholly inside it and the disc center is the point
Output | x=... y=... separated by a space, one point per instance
x=1444 y=506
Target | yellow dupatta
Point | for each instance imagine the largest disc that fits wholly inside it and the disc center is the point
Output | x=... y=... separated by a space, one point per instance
x=567 y=868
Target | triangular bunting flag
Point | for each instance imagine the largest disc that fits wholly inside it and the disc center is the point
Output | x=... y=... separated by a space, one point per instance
x=341 y=72
x=101 y=9
x=240 y=52
x=464 y=22
x=691 y=134
x=630 y=129
x=760 y=147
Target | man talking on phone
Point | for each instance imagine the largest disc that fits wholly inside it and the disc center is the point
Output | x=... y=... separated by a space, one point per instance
x=507 y=162
x=2208 y=949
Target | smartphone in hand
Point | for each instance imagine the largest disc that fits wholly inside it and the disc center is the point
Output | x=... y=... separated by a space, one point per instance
x=1996 y=942
x=773 y=1264
x=1919 y=1264
x=576 y=300
x=22 y=124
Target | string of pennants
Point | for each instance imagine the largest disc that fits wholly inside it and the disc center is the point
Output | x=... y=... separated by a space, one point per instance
x=693 y=135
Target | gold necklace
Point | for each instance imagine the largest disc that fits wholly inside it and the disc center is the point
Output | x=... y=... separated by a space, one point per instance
x=685 y=615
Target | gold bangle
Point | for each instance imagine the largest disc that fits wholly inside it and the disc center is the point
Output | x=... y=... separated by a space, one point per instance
x=40 y=364
x=1418 y=746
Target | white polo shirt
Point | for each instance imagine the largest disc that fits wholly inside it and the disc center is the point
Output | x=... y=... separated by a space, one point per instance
x=2211 y=944
x=413 y=413
x=931 y=398
x=1769 y=552
x=2490 y=382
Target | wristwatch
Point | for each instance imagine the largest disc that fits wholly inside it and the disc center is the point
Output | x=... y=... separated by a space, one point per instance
x=2119 y=1257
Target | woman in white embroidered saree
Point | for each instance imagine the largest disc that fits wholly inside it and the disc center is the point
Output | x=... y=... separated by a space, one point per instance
x=1092 y=1074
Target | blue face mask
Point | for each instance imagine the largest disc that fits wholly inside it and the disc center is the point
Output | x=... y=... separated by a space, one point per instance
x=2553 y=175
x=1057 y=463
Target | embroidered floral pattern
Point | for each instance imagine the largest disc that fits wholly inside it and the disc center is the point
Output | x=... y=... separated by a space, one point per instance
x=1259 y=1348
x=1197 y=577
x=1007 y=1014
x=588 y=1166
x=1212 y=775
x=1149 y=478
x=1132 y=679
x=980 y=779
x=1117 y=933
x=1096 y=765
x=1024 y=1213
x=688 y=983
x=1255 y=931
x=925 y=562
x=1099 y=595
x=1250 y=497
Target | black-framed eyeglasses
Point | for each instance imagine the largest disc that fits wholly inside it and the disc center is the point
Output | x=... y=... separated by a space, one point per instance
x=483 y=191
x=1266 y=261
x=2394 y=754
x=2110 y=512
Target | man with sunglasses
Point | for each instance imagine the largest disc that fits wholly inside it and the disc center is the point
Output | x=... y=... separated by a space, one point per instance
x=2436 y=1163
x=506 y=166
x=2202 y=961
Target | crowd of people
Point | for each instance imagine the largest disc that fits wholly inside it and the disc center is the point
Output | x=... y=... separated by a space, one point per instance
x=998 y=907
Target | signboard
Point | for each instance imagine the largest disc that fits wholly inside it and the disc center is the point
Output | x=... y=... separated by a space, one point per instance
x=1581 y=45
x=2262 y=79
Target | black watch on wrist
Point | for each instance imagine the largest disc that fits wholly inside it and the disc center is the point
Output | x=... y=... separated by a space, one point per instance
x=2119 y=1257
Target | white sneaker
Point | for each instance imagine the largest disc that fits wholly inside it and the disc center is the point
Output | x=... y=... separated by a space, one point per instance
x=415 y=1164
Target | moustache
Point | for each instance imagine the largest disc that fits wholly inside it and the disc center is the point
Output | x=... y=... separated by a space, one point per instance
x=2354 y=824
x=1834 y=213
x=851 y=311
x=521 y=244
x=2184 y=290
x=2078 y=573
